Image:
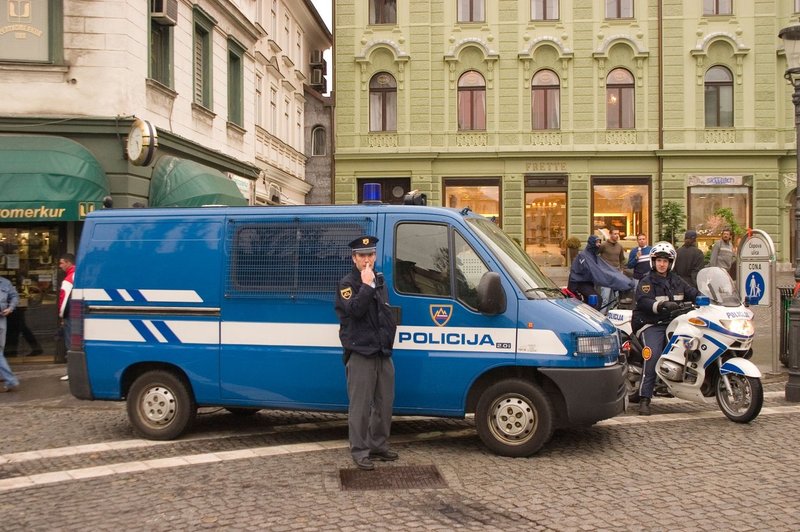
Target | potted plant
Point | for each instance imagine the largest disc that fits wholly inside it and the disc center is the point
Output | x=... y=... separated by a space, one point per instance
x=670 y=219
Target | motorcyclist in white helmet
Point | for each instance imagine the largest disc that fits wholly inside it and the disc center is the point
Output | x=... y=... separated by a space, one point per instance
x=657 y=294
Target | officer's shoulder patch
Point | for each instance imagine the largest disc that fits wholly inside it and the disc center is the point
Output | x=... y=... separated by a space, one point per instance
x=346 y=293
x=645 y=288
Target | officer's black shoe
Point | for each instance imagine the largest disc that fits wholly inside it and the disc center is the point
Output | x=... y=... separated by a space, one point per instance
x=384 y=456
x=644 y=406
x=634 y=397
x=364 y=463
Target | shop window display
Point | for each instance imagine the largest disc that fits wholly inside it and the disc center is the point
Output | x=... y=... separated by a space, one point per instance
x=482 y=196
x=546 y=227
x=705 y=201
x=29 y=259
x=622 y=204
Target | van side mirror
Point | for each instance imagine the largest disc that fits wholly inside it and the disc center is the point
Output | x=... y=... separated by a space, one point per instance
x=491 y=296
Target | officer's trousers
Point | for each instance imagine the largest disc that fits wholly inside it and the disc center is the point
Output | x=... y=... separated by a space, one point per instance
x=655 y=338
x=370 y=387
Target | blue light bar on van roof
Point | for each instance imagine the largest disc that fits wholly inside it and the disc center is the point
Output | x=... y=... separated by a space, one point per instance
x=372 y=193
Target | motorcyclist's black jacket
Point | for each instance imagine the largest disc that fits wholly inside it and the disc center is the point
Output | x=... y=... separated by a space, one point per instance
x=652 y=290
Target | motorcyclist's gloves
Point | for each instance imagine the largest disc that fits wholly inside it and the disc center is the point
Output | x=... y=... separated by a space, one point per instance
x=665 y=307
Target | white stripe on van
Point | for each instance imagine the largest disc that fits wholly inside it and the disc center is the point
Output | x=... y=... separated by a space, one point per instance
x=171 y=296
x=539 y=341
x=125 y=295
x=286 y=334
x=151 y=296
x=123 y=330
x=155 y=332
x=420 y=338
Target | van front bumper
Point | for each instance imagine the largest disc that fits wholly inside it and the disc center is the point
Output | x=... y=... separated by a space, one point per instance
x=78 y=375
x=590 y=394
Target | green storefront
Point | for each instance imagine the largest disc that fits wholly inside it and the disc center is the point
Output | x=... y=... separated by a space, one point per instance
x=49 y=184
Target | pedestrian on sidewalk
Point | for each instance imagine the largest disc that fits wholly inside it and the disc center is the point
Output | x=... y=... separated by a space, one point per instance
x=613 y=253
x=639 y=258
x=690 y=259
x=67 y=265
x=723 y=253
x=9 y=299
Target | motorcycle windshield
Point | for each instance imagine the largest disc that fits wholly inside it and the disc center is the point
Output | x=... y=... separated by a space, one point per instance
x=718 y=286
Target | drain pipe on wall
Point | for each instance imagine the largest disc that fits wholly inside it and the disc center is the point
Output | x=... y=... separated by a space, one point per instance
x=659 y=155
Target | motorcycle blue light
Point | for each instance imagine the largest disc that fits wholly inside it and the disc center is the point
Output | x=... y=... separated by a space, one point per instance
x=702 y=301
x=372 y=193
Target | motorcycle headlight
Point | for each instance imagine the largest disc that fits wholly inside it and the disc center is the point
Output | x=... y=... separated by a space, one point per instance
x=739 y=326
x=598 y=345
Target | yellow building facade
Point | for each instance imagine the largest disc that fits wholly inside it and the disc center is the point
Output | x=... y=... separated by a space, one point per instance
x=567 y=118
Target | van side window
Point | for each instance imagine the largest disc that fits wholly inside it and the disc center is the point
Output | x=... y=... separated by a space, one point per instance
x=469 y=270
x=296 y=258
x=422 y=259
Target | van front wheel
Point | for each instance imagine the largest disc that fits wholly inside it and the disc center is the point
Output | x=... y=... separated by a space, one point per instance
x=514 y=418
x=160 y=405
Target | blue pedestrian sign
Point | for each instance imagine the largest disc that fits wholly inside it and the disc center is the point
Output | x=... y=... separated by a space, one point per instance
x=755 y=287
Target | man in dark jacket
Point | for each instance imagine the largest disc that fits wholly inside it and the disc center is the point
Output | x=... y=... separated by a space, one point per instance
x=690 y=259
x=366 y=330
x=588 y=270
x=659 y=292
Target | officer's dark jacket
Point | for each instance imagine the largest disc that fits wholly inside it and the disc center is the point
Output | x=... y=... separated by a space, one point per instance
x=653 y=289
x=366 y=322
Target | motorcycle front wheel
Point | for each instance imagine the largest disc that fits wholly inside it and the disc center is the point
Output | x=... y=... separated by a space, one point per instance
x=744 y=402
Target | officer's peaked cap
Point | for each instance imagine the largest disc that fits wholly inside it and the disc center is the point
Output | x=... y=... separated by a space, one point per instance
x=364 y=244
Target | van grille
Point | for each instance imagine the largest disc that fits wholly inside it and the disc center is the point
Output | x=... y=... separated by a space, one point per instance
x=279 y=257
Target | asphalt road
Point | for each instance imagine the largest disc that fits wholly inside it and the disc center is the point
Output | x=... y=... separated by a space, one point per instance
x=72 y=465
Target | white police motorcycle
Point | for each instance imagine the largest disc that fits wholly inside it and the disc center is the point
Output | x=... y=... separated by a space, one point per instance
x=707 y=350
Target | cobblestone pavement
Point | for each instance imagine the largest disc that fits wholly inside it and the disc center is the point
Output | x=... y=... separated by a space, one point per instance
x=72 y=465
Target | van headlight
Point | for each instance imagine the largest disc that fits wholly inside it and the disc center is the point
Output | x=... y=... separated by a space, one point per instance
x=598 y=345
x=741 y=327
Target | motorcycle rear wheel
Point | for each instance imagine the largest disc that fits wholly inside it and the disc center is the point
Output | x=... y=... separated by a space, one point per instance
x=748 y=397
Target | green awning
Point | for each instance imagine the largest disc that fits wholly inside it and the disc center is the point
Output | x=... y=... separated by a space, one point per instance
x=184 y=183
x=48 y=178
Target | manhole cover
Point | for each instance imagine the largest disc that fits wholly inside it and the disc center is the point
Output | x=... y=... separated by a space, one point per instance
x=390 y=478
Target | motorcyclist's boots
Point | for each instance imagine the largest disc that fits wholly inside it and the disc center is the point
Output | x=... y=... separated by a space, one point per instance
x=644 y=406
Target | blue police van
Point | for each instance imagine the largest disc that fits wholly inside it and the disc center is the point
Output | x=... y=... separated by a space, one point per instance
x=175 y=309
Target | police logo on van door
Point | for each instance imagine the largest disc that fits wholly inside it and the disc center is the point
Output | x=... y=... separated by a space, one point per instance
x=440 y=314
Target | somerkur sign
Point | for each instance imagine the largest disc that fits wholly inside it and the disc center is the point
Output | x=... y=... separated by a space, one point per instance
x=757 y=268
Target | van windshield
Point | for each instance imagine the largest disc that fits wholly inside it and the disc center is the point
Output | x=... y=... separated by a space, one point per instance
x=528 y=276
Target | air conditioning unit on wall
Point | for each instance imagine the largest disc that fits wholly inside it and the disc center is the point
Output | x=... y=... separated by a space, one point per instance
x=316 y=57
x=316 y=77
x=165 y=12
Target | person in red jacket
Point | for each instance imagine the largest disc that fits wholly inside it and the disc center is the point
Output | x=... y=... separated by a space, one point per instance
x=67 y=264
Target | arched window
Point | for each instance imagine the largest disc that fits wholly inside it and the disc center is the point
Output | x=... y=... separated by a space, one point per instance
x=545 y=100
x=620 y=100
x=382 y=102
x=471 y=101
x=383 y=11
x=318 y=141
x=719 y=97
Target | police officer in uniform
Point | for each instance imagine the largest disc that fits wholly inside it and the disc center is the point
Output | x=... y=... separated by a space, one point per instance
x=366 y=330
x=659 y=292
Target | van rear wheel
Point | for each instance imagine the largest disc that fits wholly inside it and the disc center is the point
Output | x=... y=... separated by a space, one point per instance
x=160 y=405
x=514 y=418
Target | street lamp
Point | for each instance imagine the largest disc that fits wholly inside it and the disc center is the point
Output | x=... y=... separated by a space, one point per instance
x=790 y=36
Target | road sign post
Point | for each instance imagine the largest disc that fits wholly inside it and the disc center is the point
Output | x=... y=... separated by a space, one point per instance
x=756 y=278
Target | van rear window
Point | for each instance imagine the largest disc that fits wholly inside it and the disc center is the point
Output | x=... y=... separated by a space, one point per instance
x=290 y=257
